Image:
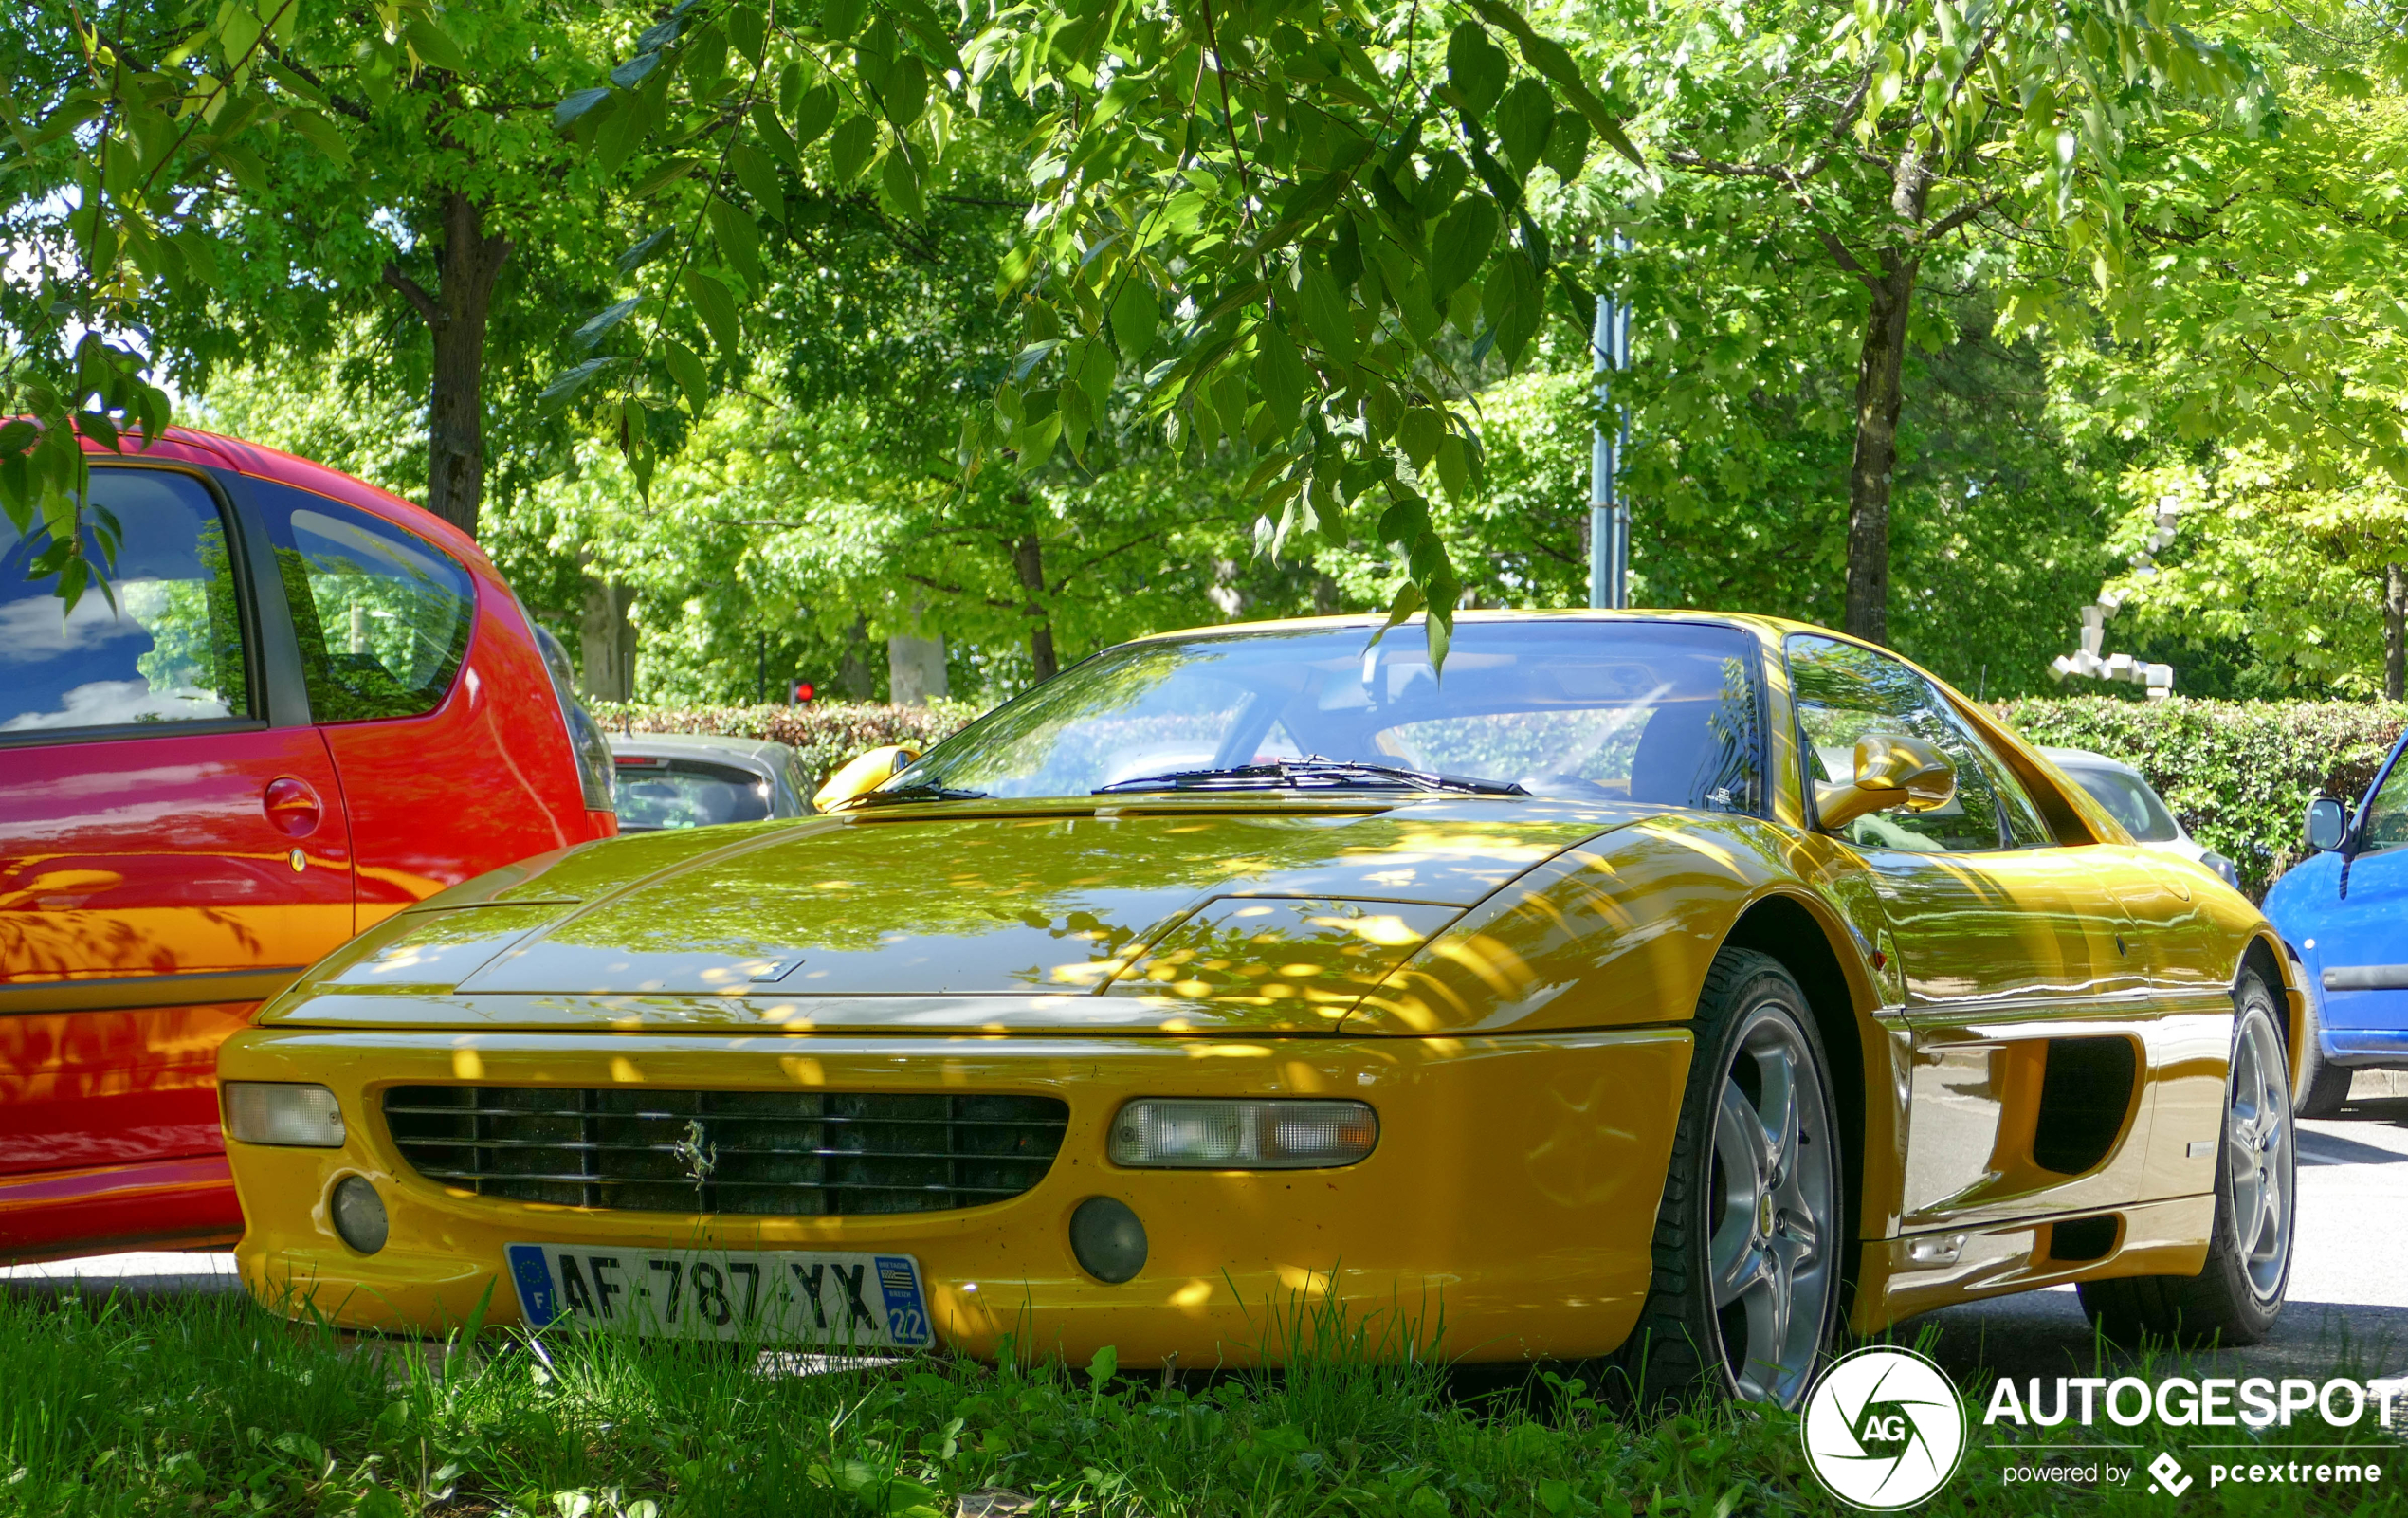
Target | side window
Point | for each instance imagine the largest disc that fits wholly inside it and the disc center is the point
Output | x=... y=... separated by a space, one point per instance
x=2386 y=825
x=1845 y=692
x=2026 y=829
x=162 y=645
x=382 y=614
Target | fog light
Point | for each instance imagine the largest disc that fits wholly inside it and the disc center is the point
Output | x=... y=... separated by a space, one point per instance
x=1269 y=1135
x=1108 y=1239
x=359 y=1213
x=283 y=1113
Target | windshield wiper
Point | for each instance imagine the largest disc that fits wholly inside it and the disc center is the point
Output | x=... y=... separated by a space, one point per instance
x=1312 y=773
x=913 y=793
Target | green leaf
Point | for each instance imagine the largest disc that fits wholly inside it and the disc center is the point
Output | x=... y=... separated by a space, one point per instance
x=99 y=429
x=1135 y=311
x=739 y=239
x=245 y=167
x=1408 y=601
x=900 y=178
x=1327 y=315
x=1102 y=1365
x=600 y=324
x=647 y=248
x=17 y=436
x=1460 y=244
x=238 y=32
x=575 y=105
x=692 y=374
x=635 y=70
x=758 y=174
x=841 y=18
x=1524 y=118
x=813 y=112
x=1455 y=468
x=1476 y=68
x=569 y=382
x=322 y=134
x=1420 y=433
x=1280 y=375
x=432 y=44
x=664 y=174
x=716 y=308
x=1094 y=369
x=775 y=137
x=849 y=149
x=1567 y=151
x=905 y=97
x=747 y=31
x=1513 y=303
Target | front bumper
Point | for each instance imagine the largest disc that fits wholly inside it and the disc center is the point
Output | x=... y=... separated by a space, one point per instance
x=1506 y=1213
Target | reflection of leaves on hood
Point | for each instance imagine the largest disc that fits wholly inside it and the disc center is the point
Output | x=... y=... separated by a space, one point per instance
x=862 y=887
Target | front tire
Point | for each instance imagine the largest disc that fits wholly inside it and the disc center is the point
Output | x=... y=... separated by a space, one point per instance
x=2236 y=1298
x=1748 y=1237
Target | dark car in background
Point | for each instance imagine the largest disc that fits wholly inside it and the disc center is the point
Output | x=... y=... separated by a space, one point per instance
x=302 y=705
x=700 y=780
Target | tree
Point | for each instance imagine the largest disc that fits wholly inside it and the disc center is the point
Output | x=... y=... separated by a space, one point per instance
x=1890 y=135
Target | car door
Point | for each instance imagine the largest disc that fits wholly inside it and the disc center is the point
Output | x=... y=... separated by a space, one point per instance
x=172 y=849
x=2358 y=954
x=441 y=747
x=2020 y=993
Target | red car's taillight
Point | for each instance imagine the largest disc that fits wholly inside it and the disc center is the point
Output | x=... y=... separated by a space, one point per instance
x=594 y=773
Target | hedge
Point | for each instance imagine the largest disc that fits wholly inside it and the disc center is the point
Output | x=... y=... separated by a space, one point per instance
x=2239 y=773
x=825 y=733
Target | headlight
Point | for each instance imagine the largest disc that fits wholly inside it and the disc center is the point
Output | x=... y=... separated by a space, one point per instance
x=1279 y=1134
x=283 y=1112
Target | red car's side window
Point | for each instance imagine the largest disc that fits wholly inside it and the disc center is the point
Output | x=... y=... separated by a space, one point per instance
x=161 y=645
x=382 y=615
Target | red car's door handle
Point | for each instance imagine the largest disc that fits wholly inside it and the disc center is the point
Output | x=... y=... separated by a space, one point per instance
x=293 y=806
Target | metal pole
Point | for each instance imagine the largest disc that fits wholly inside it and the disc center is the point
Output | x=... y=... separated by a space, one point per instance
x=1609 y=515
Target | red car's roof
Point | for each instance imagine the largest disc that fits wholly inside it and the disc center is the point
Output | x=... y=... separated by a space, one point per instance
x=186 y=445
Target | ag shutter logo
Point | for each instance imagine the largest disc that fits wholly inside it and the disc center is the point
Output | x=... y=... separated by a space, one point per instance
x=1883 y=1428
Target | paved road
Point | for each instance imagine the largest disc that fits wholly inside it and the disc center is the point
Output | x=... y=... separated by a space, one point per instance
x=2349 y=1275
x=2348 y=1296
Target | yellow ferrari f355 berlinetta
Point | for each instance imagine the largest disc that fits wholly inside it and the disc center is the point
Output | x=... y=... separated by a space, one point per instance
x=1652 y=984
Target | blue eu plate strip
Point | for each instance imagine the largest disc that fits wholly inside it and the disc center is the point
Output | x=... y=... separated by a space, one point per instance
x=533 y=1274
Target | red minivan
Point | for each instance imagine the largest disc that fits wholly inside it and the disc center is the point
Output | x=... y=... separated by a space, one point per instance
x=310 y=704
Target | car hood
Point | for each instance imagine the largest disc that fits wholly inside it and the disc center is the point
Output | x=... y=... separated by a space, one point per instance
x=1173 y=916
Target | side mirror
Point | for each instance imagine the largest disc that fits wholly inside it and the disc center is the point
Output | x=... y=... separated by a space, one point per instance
x=2327 y=825
x=866 y=773
x=1892 y=770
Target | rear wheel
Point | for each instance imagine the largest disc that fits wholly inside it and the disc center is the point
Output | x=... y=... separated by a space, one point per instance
x=2236 y=1297
x=1748 y=1237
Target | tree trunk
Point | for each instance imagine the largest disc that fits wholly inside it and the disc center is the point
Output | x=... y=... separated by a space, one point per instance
x=2395 y=631
x=467 y=265
x=1880 y=394
x=1881 y=375
x=853 y=675
x=608 y=640
x=1027 y=556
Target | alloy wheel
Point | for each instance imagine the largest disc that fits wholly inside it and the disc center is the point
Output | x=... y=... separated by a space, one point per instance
x=1772 y=1253
x=2259 y=1162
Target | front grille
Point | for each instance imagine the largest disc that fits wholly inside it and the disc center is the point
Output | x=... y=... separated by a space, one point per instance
x=785 y=1154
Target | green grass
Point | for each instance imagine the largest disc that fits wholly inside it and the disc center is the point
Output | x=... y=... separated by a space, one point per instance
x=214 y=1406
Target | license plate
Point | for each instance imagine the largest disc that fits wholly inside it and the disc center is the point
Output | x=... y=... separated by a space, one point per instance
x=848 y=1301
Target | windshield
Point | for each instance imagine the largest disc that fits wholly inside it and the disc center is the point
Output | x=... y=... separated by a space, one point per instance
x=2128 y=799
x=1657 y=712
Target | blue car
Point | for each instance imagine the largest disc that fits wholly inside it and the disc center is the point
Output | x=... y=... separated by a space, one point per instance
x=2344 y=910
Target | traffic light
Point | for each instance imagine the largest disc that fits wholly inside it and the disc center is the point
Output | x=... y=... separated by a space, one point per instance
x=804 y=691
